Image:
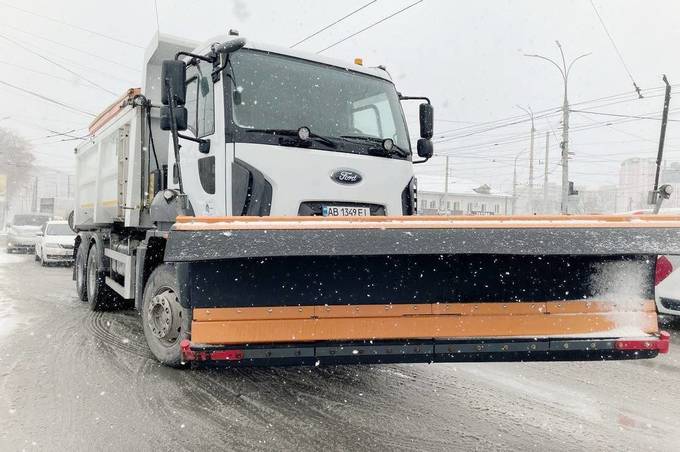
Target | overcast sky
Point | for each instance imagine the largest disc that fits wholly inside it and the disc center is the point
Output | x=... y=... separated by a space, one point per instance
x=467 y=56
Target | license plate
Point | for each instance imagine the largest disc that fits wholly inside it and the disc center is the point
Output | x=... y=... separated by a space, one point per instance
x=345 y=211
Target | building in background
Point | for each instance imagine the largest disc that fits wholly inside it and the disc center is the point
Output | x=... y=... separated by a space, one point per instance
x=549 y=204
x=42 y=184
x=463 y=197
x=598 y=200
x=636 y=178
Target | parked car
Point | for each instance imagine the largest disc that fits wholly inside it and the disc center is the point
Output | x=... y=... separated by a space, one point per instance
x=667 y=288
x=55 y=243
x=667 y=281
x=23 y=232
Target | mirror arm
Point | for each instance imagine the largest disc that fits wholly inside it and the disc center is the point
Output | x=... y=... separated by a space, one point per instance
x=420 y=161
x=210 y=58
x=426 y=99
x=174 y=133
x=203 y=145
x=217 y=68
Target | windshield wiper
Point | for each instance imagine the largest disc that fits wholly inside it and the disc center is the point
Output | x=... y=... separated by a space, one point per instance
x=395 y=149
x=294 y=133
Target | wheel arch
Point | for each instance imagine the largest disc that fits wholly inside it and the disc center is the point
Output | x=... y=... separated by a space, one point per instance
x=149 y=257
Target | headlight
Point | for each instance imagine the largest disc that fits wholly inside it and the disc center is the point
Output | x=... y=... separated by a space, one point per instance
x=51 y=245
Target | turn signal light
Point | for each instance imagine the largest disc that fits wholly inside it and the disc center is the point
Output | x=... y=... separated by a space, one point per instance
x=359 y=61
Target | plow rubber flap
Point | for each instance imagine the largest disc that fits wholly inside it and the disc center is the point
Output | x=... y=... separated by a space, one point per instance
x=409 y=289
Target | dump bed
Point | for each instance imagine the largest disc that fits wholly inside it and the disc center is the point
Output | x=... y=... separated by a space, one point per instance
x=109 y=167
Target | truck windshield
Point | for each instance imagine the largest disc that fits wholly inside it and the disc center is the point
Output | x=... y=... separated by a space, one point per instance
x=272 y=91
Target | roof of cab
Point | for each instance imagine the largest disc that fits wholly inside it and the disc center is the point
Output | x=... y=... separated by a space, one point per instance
x=374 y=71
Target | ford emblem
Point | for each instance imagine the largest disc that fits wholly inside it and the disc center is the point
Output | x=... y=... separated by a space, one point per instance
x=346 y=176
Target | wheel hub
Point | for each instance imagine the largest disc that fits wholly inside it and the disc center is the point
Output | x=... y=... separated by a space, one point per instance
x=164 y=316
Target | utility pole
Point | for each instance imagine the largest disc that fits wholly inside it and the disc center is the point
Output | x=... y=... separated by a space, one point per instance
x=532 y=208
x=514 y=184
x=564 y=71
x=34 y=197
x=514 y=188
x=658 y=194
x=545 y=172
x=446 y=185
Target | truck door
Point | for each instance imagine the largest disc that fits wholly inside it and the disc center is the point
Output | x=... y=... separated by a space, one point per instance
x=203 y=172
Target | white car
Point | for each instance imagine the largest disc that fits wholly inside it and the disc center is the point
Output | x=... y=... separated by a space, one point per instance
x=667 y=281
x=55 y=243
x=23 y=232
x=667 y=288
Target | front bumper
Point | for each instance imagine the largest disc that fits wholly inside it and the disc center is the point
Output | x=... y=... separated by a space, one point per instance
x=428 y=351
x=441 y=332
x=20 y=243
x=58 y=255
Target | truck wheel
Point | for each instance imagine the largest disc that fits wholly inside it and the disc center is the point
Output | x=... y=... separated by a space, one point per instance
x=81 y=272
x=166 y=323
x=100 y=296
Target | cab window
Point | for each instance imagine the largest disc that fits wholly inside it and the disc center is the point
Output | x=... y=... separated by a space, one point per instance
x=200 y=100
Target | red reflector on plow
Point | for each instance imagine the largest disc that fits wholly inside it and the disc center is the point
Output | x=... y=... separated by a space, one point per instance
x=189 y=354
x=226 y=355
x=662 y=343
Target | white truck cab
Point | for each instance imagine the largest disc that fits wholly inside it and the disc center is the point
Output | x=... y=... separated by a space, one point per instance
x=242 y=154
x=253 y=162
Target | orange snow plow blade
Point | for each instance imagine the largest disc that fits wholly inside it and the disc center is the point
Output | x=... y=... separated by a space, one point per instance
x=297 y=290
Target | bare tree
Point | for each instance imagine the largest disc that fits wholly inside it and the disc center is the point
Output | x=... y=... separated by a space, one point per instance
x=16 y=162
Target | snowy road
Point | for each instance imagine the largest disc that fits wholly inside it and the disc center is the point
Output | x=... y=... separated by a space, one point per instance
x=71 y=379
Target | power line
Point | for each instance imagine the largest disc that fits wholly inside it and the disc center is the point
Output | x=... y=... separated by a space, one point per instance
x=620 y=116
x=56 y=64
x=611 y=39
x=477 y=129
x=47 y=74
x=48 y=99
x=332 y=24
x=370 y=26
x=77 y=27
x=67 y=46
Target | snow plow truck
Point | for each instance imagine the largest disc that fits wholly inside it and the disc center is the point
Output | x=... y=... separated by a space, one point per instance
x=257 y=206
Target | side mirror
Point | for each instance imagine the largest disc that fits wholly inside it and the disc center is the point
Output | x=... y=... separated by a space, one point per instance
x=173 y=75
x=181 y=116
x=425 y=148
x=426 y=120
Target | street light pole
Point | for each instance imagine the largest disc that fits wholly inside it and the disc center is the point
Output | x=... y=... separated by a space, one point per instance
x=531 y=159
x=514 y=184
x=564 y=71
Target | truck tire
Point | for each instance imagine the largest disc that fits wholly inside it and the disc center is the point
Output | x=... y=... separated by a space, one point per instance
x=100 y=296
x=81 y=272
x=166 y=322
